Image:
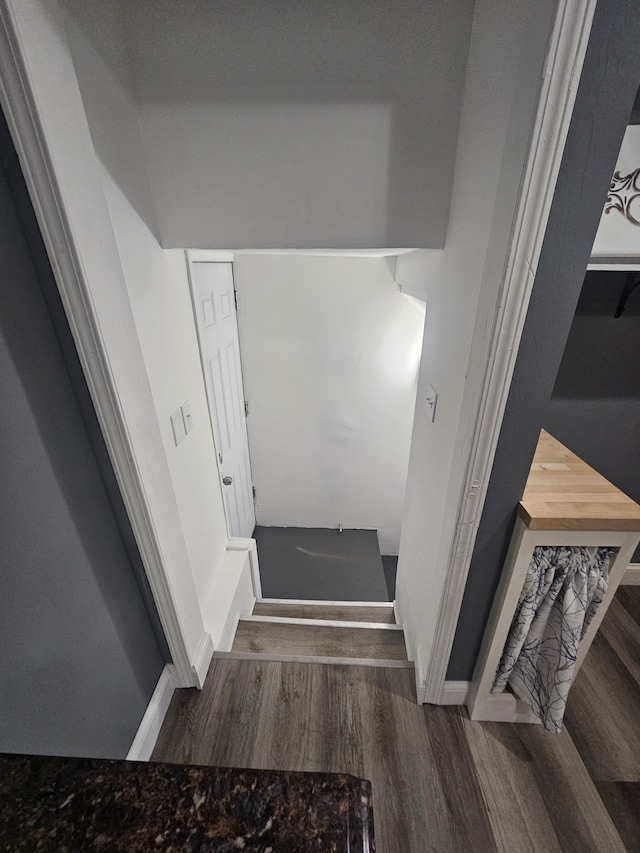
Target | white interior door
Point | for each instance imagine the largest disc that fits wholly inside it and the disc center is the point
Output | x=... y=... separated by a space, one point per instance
x=215 y=308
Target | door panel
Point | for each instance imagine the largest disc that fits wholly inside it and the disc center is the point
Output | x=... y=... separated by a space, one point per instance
x=212 y=285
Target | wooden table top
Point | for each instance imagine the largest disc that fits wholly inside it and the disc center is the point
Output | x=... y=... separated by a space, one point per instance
x=564 y=493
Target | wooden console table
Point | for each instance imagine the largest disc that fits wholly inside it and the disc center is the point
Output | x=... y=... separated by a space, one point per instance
x=565 y=503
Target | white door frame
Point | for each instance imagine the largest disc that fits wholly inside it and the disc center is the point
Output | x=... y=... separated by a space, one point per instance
x=565 y=57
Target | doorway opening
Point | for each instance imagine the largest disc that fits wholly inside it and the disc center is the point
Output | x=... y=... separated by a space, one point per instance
x=310 y=363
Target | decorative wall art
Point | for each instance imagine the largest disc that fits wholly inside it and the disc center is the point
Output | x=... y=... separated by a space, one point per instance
x=619 y=231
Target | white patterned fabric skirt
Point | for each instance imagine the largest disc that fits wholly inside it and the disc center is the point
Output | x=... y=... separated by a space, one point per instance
x=563 y=589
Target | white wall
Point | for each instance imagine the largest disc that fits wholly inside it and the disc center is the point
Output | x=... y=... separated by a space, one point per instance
x=507 y=50
x=159 y=293
x=412 y=271
x=156 y=282
x=330 y=351
x=300 y=124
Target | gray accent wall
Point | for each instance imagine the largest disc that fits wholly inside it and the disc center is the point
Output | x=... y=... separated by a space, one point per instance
x=78 y=656
x=595 y=404
x=604 y=102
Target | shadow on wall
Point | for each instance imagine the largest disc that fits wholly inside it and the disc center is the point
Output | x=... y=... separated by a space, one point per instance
x=595 y=405
x=602 y=353
x=293 y=124
x=96 y=34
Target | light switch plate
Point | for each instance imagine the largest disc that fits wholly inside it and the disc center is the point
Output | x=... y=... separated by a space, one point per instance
x=431 y=398
x=187 y=417
x=177 y=424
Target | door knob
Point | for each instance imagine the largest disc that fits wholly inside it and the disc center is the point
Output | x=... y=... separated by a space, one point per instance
x=227 y=480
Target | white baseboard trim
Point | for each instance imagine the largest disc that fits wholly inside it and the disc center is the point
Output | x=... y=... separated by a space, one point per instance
x=503 y=708
x=632 y=576
x=277 y=658
x=203 y=659
x=384 y=605
x=249 y=545
x=233 y=595
x=420 y=672
x=320 y=623
x=454 y=692
x=149 y=728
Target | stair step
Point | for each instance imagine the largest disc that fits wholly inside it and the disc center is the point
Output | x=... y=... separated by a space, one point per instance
x=328 y=623
x=277 y=638
x=336 y=661
x=382 y=613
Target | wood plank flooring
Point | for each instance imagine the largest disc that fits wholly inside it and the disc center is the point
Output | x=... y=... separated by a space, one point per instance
x=383 y=615
x=276 y=638
x=538 y=792
x=348 y=719
x=441 y=783
x=603 y=713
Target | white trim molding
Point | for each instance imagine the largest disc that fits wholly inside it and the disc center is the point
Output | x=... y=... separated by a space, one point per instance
x=337 y=661
x=566 y=52
x=454 y=693
x=233 y=595
x=209 y=256
x=320 y=623
x=320 y=602
x=420 y=672
x=149 y=728
x=236 y=543
x=202 y=660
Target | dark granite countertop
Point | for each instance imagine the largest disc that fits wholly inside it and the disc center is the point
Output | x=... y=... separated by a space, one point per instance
x=70 y=805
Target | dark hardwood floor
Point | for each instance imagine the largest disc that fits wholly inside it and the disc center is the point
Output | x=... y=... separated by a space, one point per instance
x=603 y=713
x=440 y=782
x=319 y=640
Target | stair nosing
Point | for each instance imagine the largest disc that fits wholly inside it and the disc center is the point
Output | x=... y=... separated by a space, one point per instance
x=325 y=659
x=326 y=603
x=326 y=623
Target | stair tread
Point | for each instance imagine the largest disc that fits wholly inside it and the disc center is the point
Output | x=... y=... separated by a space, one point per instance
x=342 y=613
x=383 y=663
x=319 y=641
